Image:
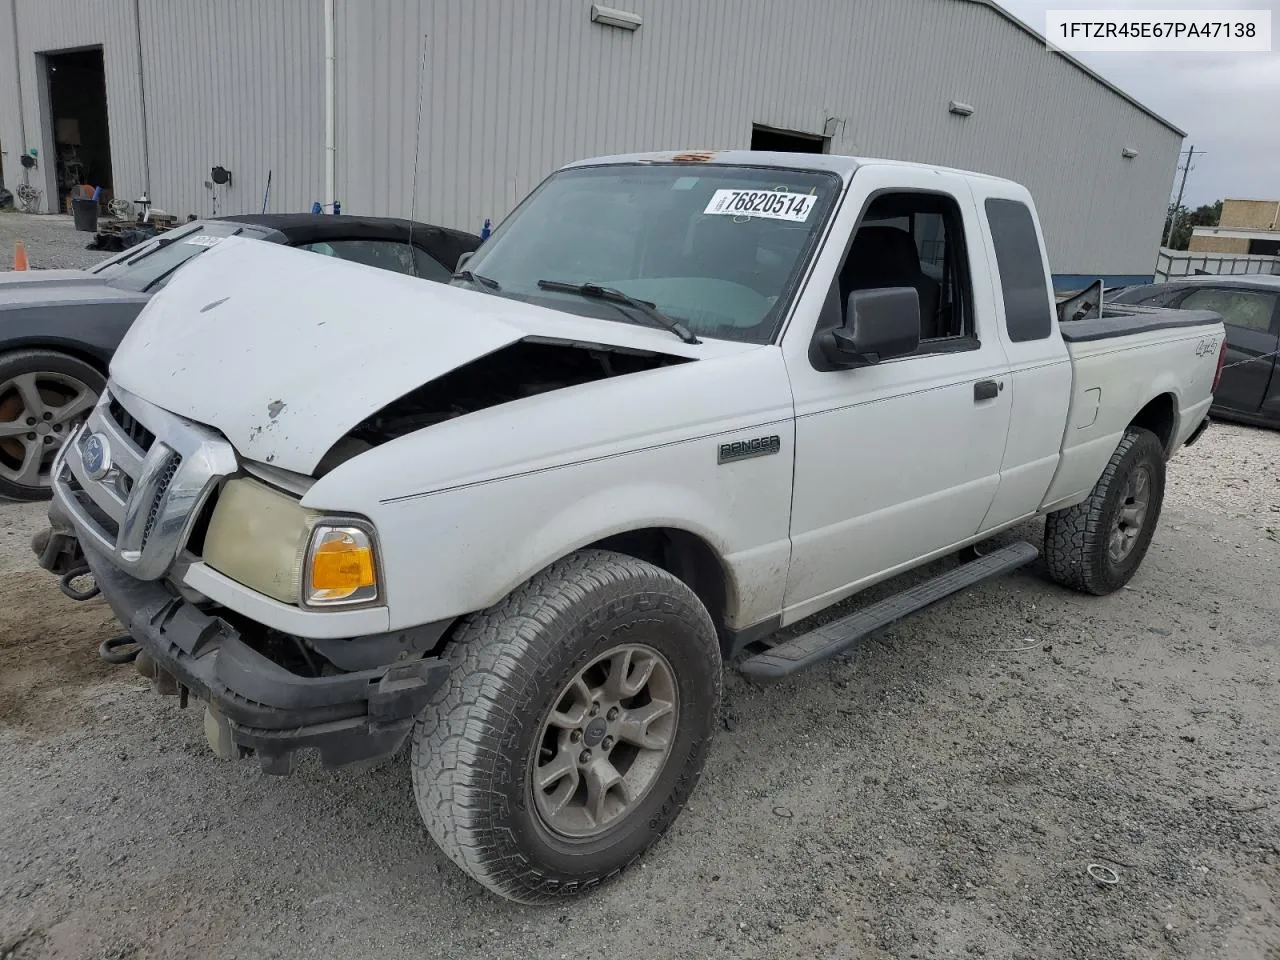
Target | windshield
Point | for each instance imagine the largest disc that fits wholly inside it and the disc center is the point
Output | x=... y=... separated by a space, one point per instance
x=150 y=263
x=718 y=248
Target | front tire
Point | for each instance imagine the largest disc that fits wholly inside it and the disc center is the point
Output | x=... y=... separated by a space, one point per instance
x=1097 y=545
x=574 y=726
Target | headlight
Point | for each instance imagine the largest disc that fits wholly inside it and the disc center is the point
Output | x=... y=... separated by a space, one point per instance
x=266 y=540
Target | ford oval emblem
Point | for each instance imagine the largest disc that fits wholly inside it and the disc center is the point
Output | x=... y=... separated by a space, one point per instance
x=95 y=452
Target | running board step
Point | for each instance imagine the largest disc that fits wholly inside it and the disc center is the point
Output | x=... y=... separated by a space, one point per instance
x=835 y=637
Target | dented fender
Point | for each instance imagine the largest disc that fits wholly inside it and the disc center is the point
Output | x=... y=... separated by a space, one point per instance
x=468 y=509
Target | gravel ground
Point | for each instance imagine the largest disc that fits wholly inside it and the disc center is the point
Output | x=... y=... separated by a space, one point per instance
x=52 y=242
x=934 y=794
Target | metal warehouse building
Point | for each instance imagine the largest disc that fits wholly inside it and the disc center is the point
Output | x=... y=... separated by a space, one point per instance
x=149 y=95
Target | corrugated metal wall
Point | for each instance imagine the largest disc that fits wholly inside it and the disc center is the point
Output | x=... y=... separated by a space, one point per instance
x=53 y=25
x=11 y=144
x=238 y=83
x=512 y=90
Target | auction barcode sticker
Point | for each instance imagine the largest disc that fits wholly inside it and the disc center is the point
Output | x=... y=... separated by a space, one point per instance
x=1159 y=31
x=203 y=240
x=774 y=204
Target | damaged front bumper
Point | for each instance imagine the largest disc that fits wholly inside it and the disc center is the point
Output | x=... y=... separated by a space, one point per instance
x=254 y=705
x=56 y=547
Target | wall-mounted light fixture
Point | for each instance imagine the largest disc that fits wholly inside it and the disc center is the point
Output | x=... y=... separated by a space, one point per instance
x=612 y=17
x=960 y=109
x=1128 y=153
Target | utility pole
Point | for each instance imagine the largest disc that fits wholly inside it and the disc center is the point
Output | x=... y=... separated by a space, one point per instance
x=1177 y=204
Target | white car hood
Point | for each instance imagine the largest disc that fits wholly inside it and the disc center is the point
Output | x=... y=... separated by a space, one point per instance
x=285 y=351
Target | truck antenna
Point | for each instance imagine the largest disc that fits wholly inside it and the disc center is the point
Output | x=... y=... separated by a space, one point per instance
x=417 y=147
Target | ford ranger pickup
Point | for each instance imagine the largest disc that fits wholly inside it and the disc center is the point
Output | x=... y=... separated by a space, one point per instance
x=521 y=521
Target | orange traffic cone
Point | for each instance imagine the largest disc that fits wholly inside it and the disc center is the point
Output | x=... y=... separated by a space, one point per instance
x=20 y=256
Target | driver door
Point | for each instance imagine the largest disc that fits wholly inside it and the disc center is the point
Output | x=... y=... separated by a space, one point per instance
x=901 y=460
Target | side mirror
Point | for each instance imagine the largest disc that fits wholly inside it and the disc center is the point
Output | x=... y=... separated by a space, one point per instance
x=878 y=325
x=462 y=260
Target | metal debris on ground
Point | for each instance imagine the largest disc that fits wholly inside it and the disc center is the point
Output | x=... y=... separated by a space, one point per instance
x=1028 y=644
x=1102 y=876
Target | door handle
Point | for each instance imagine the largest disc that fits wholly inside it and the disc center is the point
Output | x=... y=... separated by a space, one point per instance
x=986 y=390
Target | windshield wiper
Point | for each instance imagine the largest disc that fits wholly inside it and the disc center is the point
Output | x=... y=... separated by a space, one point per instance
x=147 y=250
x=611 y=295
x=475 y=278
x=161 y=243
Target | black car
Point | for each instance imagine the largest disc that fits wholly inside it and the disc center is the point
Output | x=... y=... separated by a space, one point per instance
x=1250 y=306
x=59 y=328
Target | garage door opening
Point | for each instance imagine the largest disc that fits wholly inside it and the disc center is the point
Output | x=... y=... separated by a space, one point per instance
x=786 y=141
x=77 y=121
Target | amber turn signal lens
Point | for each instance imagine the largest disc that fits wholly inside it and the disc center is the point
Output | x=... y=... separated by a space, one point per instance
x=343 y=569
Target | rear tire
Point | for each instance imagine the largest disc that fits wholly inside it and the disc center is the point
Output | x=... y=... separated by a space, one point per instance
x=571 y=675
x=1097 y=545
x=44 y=395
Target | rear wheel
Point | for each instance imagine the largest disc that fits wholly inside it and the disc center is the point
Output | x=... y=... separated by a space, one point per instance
x=1097 y=546
x=44 y=395
x=574 y=726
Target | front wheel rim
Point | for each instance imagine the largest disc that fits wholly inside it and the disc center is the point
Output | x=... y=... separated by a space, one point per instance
x=1131 y=517
x=605 y=741
x=38 y=410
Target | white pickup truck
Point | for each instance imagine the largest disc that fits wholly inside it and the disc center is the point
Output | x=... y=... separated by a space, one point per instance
x=675 y=402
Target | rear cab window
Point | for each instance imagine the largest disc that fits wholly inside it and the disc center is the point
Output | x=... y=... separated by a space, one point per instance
x=1028 y=314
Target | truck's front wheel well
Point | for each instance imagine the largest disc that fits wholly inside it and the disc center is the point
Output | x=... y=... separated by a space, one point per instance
x=1159 y=416
x=683 y=555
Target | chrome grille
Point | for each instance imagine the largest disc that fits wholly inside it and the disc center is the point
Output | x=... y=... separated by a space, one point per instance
x=142 y=496
x=141 y=437
x=171 y=468
x=98 y=515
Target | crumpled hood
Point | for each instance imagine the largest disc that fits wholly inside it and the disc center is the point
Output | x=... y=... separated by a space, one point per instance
x=285 y=351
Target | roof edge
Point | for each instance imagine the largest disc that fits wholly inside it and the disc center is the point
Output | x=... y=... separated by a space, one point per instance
x=1238 y=233
x=1079 y=65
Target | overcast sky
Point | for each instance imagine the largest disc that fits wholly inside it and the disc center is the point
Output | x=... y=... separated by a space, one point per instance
x=1228 y=103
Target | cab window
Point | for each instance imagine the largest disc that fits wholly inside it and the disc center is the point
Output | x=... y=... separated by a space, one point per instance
x=1027 y=311
x=916 y=240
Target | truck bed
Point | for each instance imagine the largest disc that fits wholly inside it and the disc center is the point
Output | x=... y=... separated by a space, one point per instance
x=1120 y=361
x=1123 y=319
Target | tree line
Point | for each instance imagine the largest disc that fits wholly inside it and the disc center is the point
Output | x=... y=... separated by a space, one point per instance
x=1185 y=220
